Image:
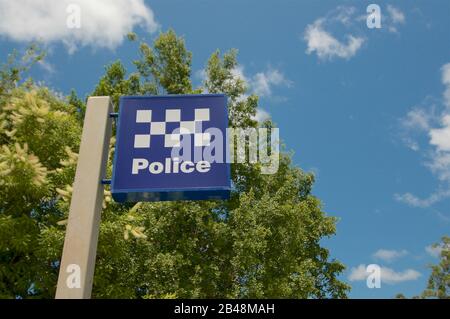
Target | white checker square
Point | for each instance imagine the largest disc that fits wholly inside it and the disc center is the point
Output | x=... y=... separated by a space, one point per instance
x=143 y=116
x=172 y=140
x=158 y=128
x=187 y=127
x=173 y=115
x=202 y=114
x=142 y=141
x=202 y=139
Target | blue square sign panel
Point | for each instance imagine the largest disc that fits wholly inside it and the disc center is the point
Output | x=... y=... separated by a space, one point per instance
x=160 y=147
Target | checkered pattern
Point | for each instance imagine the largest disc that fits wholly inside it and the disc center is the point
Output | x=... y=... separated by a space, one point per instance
x=172 y=139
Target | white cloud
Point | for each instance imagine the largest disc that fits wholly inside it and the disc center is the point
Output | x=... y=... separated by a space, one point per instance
x=446 y=81
x=415 y=201
x=261 y=115
x=343 y=14
x=104 y=23
x=418 y=119
x=262 y=82
x=238 y=73
x=396 y=15
x=411 y=144
x=326 y=46
x=437 y=127
x=388 y=275
x=201 y=74
x=434 y=251
x=389 y=255
x=358 y=273
x=440 y=137
x=47 y=66
x=439 y=164
x=446 y=74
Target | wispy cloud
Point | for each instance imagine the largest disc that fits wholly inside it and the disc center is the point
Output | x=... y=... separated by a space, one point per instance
x=326 y=46
x=446 y=81
x=396 y=18
x=417 y=119
x=434 y=251
x=415 y=201
x=436 y=127
x=388 y=275
x=388 y=255
x=261 y=83
x=440 y=137
x=47 y=66
x=262 y=115
x=104 y=23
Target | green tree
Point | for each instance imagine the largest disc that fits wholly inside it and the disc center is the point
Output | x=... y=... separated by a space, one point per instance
x=37 y=134
x=12 y=71
x=439 y=281
x=263 y=242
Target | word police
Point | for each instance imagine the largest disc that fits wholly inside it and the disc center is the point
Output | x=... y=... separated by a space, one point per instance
x=170 y=166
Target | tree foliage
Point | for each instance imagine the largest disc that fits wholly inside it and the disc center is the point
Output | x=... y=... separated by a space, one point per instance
x=263 y=242
x=439 y=280
x=438 y=286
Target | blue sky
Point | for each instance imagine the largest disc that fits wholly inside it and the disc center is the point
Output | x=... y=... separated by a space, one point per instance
x=367 y=110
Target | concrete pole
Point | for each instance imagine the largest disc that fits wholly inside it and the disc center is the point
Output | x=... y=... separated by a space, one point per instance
x=80 y=246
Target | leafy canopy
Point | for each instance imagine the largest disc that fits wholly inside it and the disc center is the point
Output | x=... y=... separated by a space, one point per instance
x=439 y=280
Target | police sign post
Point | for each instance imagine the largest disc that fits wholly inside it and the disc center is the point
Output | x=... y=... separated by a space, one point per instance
x=76 y=269
x=158 y=157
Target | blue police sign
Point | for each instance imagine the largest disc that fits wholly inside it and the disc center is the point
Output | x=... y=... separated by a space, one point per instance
x=160 y=145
